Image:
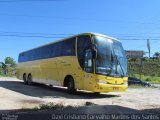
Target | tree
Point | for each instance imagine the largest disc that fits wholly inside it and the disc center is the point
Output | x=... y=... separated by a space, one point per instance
x=10 y=66
x=157 y=54
x=10 y=61
x=2 y=68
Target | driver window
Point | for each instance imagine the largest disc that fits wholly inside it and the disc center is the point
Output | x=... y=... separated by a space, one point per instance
x=83 y=43
x=88 y=64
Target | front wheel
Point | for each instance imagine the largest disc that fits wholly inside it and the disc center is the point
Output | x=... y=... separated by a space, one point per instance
x=71 y=86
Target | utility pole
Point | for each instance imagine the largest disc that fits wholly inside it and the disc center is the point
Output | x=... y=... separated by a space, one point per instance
x=141 y=66
x=149 y=47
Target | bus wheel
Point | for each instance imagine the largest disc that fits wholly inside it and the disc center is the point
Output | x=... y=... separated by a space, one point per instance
x=29 y=79
x=25 y=79
x=96 y=93
x=70 y=86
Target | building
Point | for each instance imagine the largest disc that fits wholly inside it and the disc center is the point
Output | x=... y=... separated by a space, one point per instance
x=134 y=53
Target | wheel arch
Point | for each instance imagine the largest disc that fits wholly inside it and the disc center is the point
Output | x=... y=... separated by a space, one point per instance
x=66 y=79
x=29 y=74
x=24 y=74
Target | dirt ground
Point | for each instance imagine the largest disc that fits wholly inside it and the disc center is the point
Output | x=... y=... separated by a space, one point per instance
x=15 y=95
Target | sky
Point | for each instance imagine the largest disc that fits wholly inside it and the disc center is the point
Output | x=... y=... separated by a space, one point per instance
x=25 y=24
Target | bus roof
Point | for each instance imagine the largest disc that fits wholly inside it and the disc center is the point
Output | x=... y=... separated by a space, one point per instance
x=98 y=34
x=86 y=33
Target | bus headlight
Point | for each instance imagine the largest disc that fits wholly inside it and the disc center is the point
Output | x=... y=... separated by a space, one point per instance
x=101 y=81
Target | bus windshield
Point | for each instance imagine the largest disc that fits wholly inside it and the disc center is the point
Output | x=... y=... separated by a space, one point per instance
x=111 y=59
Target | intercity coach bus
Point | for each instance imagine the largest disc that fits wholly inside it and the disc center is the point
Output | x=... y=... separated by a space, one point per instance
x=87 y=61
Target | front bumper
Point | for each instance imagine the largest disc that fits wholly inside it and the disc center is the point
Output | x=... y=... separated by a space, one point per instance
x=109 y=88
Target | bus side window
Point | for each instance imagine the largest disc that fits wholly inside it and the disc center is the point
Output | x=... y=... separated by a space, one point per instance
x=20 y=58
x=84 y=42
x=68 y=47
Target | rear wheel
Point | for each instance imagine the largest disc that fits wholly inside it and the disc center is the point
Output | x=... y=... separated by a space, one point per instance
x=71 y=86
x=29 y=79
x=25 y=79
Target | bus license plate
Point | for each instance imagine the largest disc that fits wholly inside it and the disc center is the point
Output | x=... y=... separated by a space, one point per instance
x=115 y=88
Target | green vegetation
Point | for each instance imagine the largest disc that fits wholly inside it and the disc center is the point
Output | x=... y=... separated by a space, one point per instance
x=55 y=106
x=150 y=69
x=51 y=105
x=8 y=67
x=89 y=104
x=157 y=55
x=136 y=86
x=152 y=79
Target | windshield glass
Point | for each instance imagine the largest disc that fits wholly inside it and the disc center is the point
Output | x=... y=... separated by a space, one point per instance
x=120 y=62
x=111 y=59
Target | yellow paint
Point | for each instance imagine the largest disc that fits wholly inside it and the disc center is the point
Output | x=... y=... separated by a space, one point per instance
x=59 y=67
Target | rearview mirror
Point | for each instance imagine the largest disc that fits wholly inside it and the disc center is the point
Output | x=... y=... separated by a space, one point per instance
x=94 y=51
x=108 y=70
x=112 y=58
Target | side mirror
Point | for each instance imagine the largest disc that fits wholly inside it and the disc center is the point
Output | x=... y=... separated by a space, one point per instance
x=94 y=51
x=108 y=70
x=112 y=58
x=94 y=54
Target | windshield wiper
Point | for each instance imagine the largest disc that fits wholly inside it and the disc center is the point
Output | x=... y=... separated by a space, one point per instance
x=118 y=63
x=120 y=67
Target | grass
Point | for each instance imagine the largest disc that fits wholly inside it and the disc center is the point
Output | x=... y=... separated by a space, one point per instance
x=151 y=79
x=136 y=86
x=2 y=75
x=89 y=104
x=55 y=106
x=51 y=105
x=150 y=69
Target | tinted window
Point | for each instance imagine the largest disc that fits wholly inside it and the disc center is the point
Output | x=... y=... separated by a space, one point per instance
x=63 y=48
x=84 y=42
x=19 y=58
x=68 y=47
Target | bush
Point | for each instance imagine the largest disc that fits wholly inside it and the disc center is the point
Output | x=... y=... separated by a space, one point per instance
x=159 y=74
x=153 y=74
x=148 y=79
x=51 y=106
x=150 y=67
x=89 y=104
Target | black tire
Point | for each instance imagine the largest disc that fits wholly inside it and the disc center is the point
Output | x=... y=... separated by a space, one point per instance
x=71 y=86
x=29 y=79
x=25 y=79
x=96 y=93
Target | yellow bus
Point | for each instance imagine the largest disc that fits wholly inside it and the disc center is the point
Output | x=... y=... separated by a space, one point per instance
x=87 y=61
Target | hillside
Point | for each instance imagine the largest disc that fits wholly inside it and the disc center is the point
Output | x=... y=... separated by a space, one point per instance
x=150 y=69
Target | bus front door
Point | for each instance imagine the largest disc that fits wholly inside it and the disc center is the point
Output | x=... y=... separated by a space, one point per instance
x=88 y=68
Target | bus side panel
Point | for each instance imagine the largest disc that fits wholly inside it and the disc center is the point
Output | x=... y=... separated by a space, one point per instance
x=32 y=67
x=59 y=66
x=49 y=69
x=36 y=70
x=70 y=66
x=19 y=74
